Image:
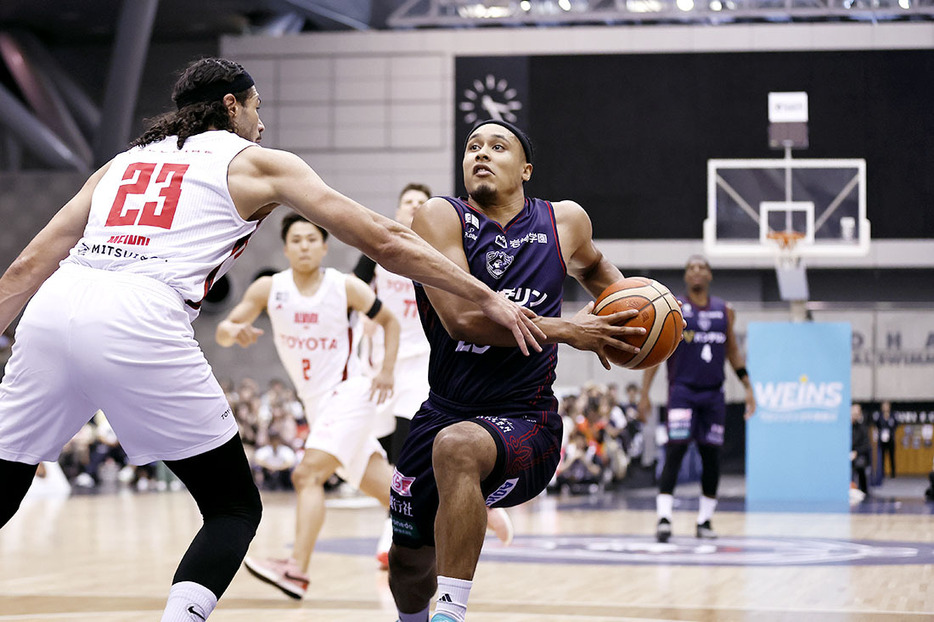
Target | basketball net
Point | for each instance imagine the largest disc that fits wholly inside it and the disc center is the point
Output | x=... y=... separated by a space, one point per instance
x=787 y=242
x=789 y=270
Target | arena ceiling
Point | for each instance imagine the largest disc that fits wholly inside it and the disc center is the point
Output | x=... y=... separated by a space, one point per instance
x=64 y=132
x=81 y=20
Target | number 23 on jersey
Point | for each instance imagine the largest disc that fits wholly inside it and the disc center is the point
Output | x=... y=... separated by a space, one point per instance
x=137 y=179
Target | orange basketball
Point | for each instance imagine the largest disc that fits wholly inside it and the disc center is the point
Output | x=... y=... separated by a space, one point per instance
x=659 y=314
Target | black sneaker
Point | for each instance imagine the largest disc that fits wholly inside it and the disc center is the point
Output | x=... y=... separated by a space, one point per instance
x=706 y=532
x=663 y=530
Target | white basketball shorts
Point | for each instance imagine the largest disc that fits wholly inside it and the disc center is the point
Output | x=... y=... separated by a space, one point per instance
x=343 y=428
x=410 y=389
x=122 y=343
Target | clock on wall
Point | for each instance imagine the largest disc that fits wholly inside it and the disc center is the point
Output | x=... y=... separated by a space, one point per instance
x=489 y=98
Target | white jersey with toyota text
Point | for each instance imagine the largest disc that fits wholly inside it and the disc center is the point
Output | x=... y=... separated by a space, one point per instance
x=397 y=293
x=312 y=333
x=166 y=213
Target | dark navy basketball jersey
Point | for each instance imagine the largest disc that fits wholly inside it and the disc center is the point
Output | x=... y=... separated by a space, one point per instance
x=698 y=360
x=523 y=261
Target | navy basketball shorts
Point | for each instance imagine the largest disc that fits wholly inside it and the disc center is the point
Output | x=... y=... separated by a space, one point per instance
x=528 y=449
x=697 y=415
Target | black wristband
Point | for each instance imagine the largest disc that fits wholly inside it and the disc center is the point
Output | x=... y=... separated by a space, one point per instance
x=377 y=305
x=741 y=373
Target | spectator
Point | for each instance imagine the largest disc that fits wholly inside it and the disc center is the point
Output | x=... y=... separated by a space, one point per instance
x=861 y=453
x=104 y=451
x=76 y=456
x=274 y=462
x=885 y=426
x=580 y=471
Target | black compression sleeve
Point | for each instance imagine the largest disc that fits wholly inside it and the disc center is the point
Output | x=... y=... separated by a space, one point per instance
x=365 y=269
x=377 y=305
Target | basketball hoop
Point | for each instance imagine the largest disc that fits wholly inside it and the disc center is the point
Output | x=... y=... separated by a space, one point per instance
x=786 y=240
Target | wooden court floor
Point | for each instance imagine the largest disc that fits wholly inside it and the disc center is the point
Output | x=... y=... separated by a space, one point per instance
x=110 y=557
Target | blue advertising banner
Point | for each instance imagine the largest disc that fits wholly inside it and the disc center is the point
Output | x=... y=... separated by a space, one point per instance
x=798 y=442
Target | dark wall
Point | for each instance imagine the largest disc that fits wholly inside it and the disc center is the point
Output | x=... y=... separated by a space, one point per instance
x=629 y=136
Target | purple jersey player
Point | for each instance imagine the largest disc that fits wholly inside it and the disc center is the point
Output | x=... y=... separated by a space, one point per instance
x=696 y=409
x=489 y=433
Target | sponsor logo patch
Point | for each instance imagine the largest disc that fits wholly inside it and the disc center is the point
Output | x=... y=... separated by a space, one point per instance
x=401 y=484
x=501 y=492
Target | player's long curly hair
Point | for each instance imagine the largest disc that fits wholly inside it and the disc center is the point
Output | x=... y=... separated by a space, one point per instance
x=198 y=117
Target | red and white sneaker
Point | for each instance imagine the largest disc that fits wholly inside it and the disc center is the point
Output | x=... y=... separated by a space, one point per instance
x=282 y=573
x=382 y=547
x=383 y=559
x=498 y=521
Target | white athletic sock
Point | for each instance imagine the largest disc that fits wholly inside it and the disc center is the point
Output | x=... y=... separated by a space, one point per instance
x=189 y=602
x=705 y=511
x=452 y=597
x=385 y=538
x=664 y=505
x=421 y=616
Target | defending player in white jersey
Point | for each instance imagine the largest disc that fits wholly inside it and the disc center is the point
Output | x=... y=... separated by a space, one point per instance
x=110 y=328
x=308 y=306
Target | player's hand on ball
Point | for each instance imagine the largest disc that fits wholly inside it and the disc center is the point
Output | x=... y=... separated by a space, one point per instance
x=659 y=312
x=596 y=332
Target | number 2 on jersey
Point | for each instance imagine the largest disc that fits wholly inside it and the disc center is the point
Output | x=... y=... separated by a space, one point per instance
x=138 y=177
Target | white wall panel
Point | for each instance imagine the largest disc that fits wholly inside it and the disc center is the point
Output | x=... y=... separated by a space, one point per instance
x=430 y=88
x=361 y=137
x=352 y=90
x=411 y=66
x=360 y=67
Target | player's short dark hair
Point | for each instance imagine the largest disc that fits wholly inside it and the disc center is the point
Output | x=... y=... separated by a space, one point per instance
x=519 y=133
x=419 y=187
x=292 y=218
x=697 y=258
x=195 y=118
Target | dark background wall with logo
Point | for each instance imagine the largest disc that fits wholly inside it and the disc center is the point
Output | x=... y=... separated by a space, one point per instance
x=628 y=136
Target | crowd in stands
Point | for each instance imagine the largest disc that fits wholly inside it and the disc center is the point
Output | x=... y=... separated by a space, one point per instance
x=603 y=438
x=603 y=435
x=273 y=428
x=271 y=422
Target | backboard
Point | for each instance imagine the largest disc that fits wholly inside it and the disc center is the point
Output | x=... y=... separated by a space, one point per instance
x=823 y=201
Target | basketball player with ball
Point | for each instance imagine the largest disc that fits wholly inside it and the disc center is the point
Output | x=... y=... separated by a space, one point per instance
x=696 y=407
x=489 y=434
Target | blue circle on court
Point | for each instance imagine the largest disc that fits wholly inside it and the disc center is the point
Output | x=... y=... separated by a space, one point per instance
x=683 y=551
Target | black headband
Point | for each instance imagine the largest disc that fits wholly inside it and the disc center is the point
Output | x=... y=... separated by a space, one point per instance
x=520 y=135
x=214 y=91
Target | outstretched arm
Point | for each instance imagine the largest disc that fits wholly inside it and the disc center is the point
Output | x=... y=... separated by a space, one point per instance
x=645 y=406
x=361 y=298
x=42 y=255
x=738 y=362
x=259 y=178
x=238 y=327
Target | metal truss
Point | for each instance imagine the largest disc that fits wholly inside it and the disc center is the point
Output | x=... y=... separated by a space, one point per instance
x=471 y=13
